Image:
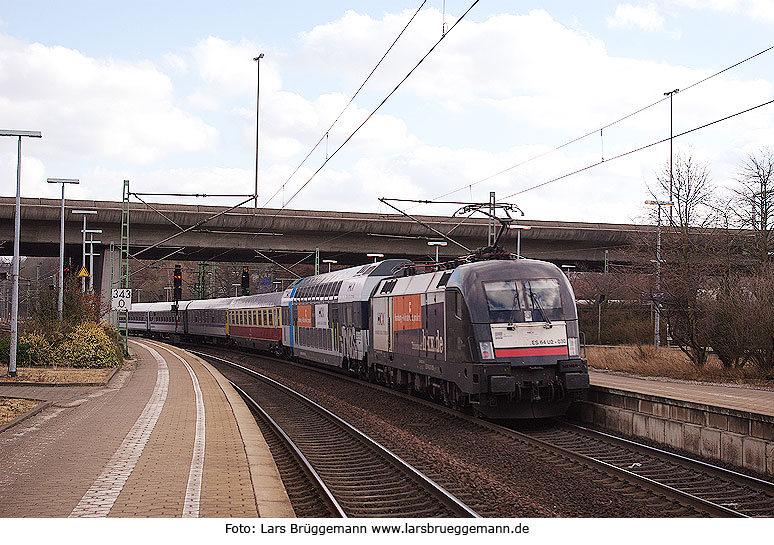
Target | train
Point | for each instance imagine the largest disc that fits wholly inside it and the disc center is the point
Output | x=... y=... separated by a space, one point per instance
x=497 y=337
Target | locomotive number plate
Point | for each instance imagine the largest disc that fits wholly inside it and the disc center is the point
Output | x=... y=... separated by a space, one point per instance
x=534 y=334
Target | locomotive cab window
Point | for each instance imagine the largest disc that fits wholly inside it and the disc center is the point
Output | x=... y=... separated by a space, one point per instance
x=502 y=295
x=544 y=297
x=502 y=298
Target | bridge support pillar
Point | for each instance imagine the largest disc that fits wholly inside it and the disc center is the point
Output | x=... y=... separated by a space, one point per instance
x=109 y=278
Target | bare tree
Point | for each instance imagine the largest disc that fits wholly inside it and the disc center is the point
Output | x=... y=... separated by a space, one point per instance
x=692 y=193
x=754 y=200
x=690 y=254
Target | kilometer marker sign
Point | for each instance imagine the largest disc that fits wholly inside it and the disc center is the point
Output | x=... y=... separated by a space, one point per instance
x=121 y=299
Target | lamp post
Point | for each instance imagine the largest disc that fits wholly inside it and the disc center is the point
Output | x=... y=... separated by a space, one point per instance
x=329 y=261
x=670 y=94
x=63 y=181
x=16 y=257
x=436 y=243
x=656 y=314
x=375 y=256
x=83 y=259
x=257 y=111
x=519 y=229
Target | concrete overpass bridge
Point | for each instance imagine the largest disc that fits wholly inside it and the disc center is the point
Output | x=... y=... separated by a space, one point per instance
x=288 y=236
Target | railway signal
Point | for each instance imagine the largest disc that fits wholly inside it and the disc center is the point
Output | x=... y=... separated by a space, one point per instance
x=177 y=284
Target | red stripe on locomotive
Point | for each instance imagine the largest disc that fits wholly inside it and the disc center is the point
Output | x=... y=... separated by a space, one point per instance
x=531 y=351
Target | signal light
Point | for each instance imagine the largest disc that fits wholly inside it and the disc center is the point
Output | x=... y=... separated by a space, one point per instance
x=177 y=283
x=245 y=281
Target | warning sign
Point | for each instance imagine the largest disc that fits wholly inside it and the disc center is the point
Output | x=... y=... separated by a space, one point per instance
x=83 y=273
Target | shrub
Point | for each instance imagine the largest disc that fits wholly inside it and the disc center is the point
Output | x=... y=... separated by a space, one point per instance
x=5 y=349
x=34 y=349
x=621 y=324
x=88 y=345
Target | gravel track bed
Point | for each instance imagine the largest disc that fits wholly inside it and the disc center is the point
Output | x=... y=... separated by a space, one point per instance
x=494 y=475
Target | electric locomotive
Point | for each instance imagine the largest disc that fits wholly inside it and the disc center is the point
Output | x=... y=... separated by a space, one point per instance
x=498 y=336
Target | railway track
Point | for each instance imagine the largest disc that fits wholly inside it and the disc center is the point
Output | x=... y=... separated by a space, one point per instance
x=684 y=486
x=351 y=474
x=734 y=493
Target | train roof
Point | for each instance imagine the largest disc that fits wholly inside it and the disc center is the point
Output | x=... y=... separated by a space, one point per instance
x=380 y=268
x=271 y=299
x=209 y=304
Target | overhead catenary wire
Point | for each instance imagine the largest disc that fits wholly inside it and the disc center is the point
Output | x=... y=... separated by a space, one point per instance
x=370 y=115
x=636 y=150
x=351 y=100
x=591 y=133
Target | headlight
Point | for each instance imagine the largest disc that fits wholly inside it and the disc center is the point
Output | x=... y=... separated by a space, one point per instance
x=573 y=345
x=486 y=351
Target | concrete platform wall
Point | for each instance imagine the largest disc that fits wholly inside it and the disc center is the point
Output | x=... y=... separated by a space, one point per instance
x=742 y=439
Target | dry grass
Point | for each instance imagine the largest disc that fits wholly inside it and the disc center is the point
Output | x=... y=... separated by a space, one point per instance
x=667 y=362
x=57 y=375
x=11 y=409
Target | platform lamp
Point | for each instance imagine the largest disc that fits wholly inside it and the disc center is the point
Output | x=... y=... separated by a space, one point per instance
x=519 y=229
x=656 y=314
x=329 y=262
x=375 y=256
x=83 y=261
x=16 y=258
x=437 y=243
x=63 y=181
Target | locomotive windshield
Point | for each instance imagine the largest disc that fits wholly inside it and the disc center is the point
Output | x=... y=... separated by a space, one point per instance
x=502 y=296
x=524 y=301
x=545 y=291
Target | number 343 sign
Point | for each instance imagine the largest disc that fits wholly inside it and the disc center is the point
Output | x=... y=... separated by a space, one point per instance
x=121 y=300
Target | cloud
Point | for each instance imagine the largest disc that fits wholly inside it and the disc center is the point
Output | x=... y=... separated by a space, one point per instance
x=95 y=108
x=645 y=17
x=758 y=10
x=495 y=93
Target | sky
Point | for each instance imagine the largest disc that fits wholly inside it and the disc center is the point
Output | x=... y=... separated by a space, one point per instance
x=164 y=94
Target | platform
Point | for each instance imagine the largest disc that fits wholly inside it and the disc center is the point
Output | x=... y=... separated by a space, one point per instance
x=737 y=398
x=727 y=423
x=167 y=437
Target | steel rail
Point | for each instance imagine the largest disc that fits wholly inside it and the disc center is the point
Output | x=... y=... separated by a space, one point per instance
x=722 y=471
x=686 y=498
x=435 y=490
x=646 y=482
x=307 y=468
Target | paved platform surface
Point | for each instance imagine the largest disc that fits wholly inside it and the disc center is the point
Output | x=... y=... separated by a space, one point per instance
x=752 y=400
x=167 y=437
